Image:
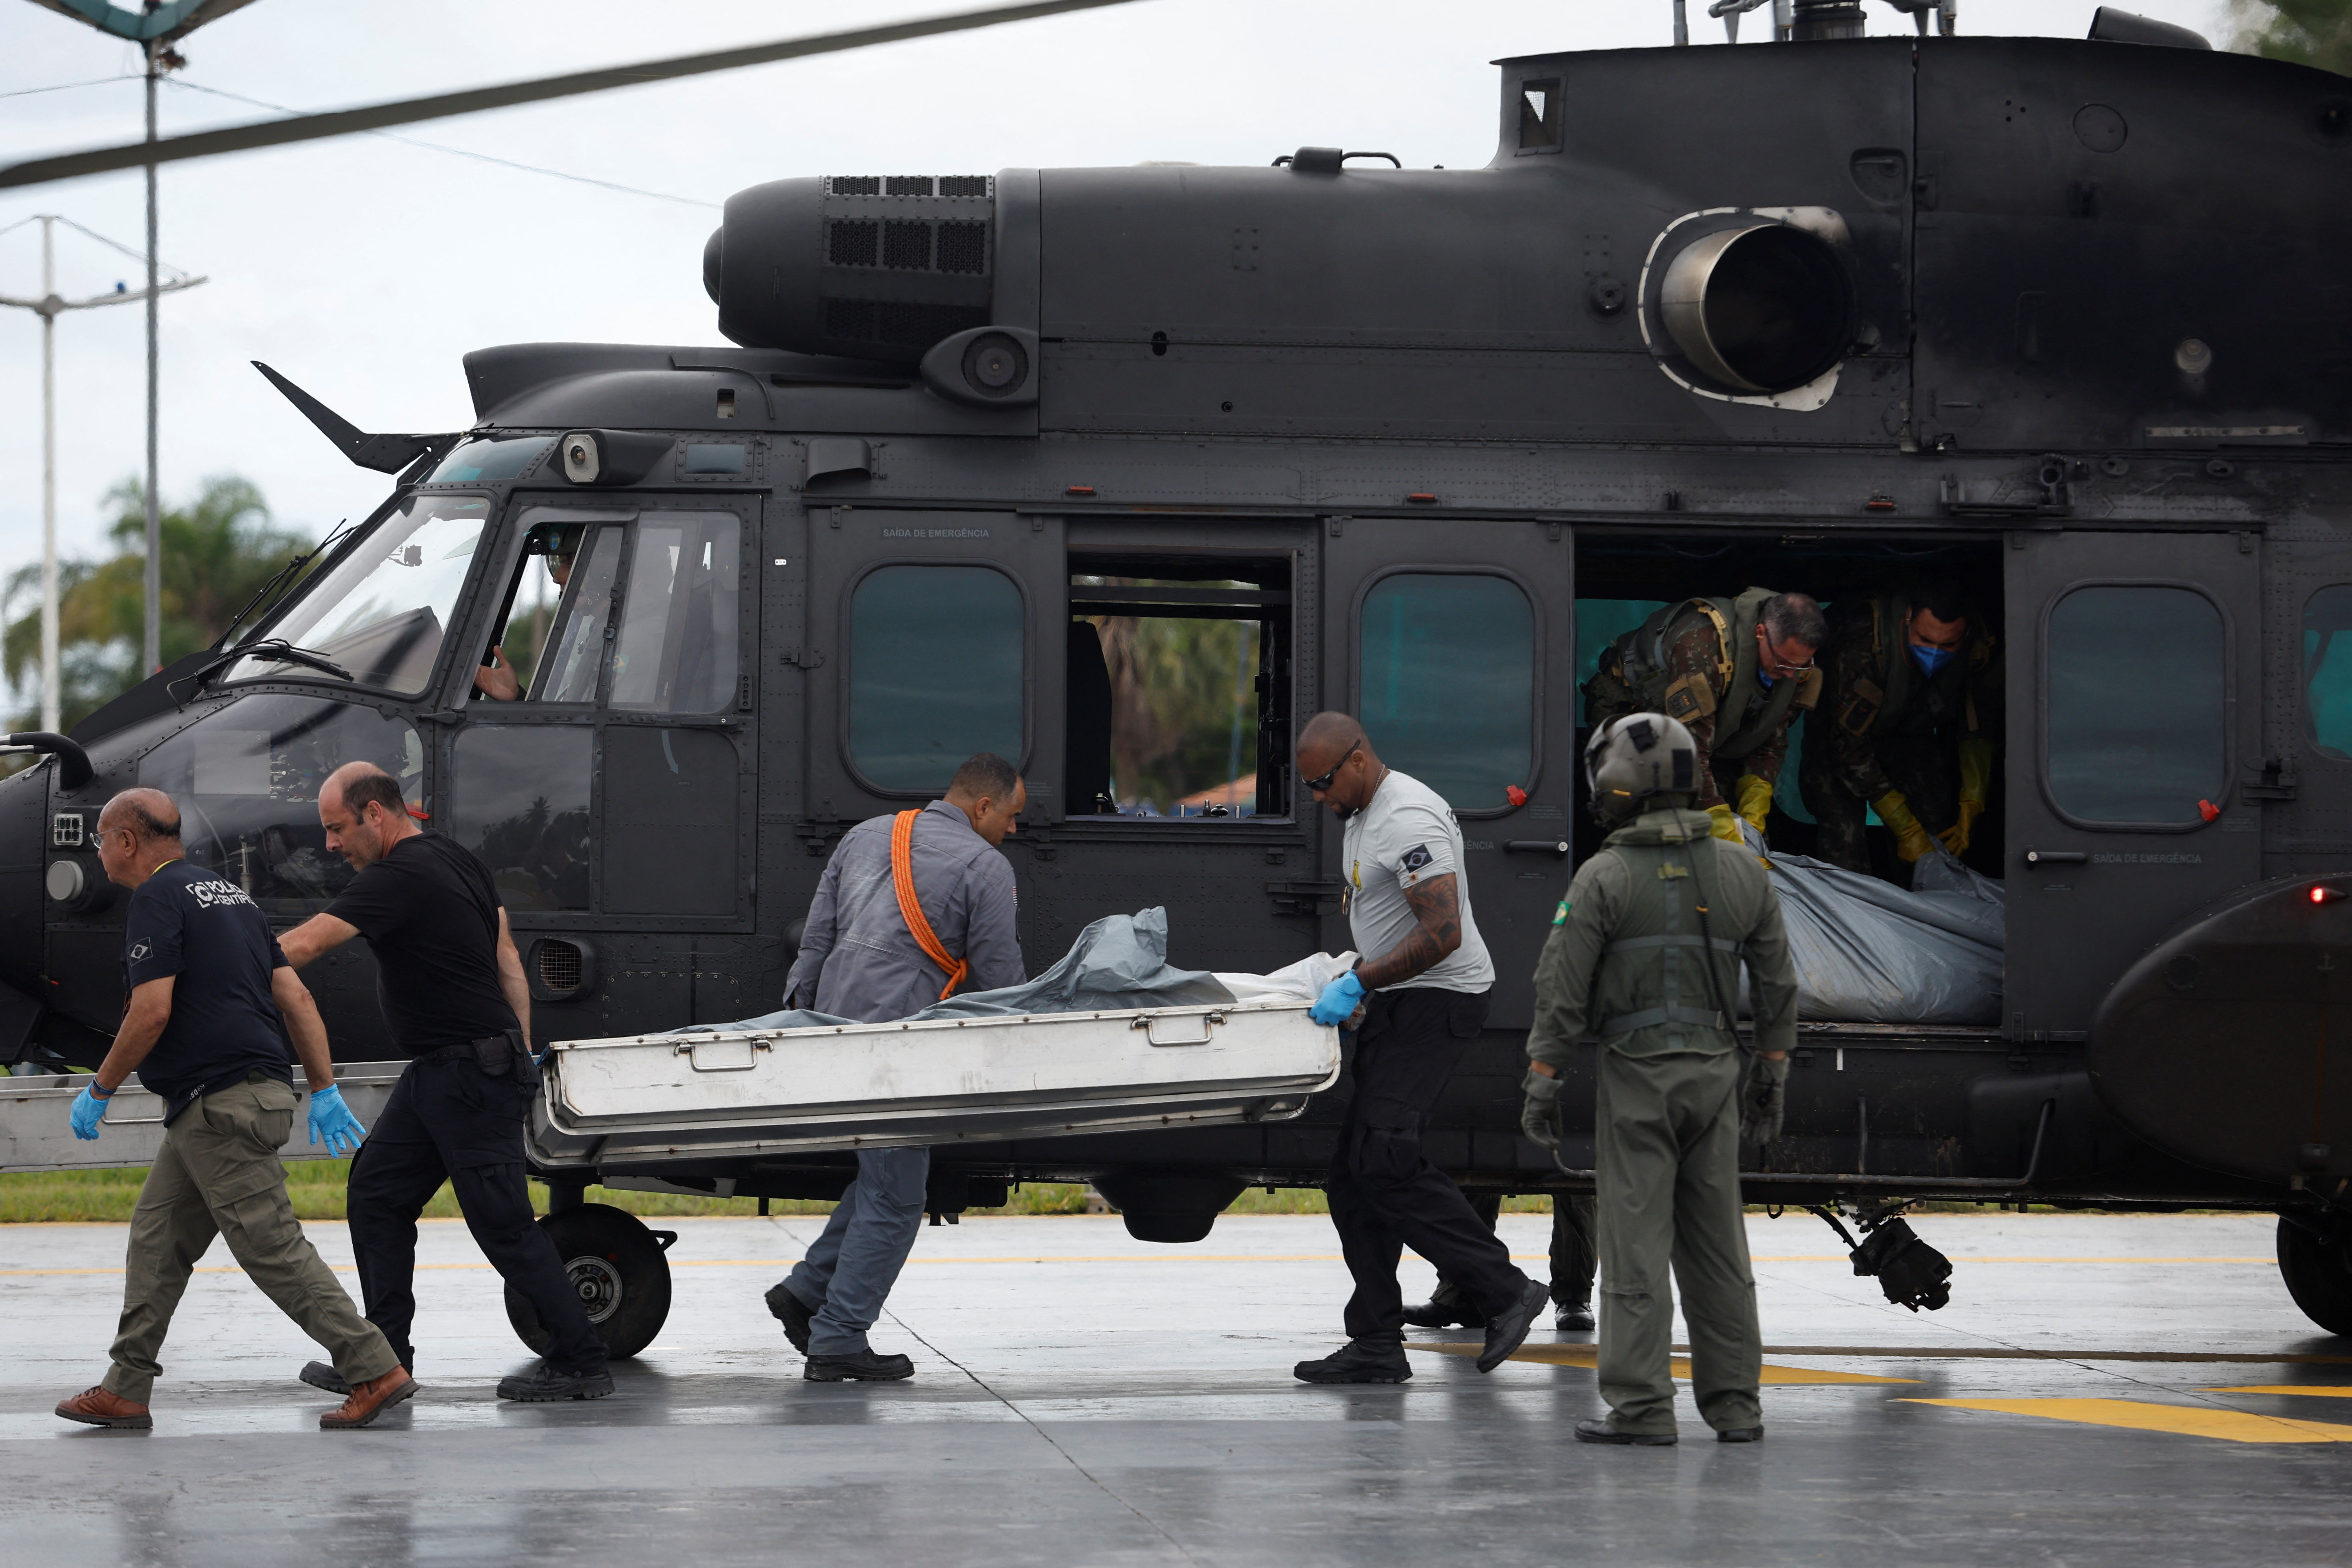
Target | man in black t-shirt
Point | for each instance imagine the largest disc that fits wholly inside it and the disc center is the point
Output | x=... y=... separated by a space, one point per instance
x=211 y=1003
x=452 y=987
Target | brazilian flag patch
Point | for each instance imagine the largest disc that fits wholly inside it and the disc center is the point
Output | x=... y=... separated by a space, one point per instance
x=1560 y=916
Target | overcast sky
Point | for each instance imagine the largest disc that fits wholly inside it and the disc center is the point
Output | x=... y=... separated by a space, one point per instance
x=363 y=267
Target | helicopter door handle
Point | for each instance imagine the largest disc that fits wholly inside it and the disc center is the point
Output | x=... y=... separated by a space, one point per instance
x=2056 y=857
x=1536 y=846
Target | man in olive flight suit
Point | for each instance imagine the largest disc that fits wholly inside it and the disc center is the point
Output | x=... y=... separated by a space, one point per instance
x=1736 y=672
x=1645 y=952
x=1912 y=701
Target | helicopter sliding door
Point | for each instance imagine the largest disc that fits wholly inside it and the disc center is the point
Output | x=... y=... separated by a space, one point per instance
x=1452 y=641
x=2133 y=674
x=935 y=635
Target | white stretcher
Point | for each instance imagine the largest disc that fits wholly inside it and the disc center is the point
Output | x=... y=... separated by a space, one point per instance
x=654 y=1099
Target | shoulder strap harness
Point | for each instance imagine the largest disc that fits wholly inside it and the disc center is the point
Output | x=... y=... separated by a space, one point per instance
x=910 y=908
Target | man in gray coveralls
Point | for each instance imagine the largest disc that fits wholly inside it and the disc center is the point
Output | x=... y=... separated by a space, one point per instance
x=866 y=956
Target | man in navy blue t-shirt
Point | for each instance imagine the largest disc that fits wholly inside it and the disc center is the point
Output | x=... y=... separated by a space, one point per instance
x=211 y=1004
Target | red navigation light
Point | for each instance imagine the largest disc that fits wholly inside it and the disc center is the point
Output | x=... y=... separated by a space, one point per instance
x=2321 y=895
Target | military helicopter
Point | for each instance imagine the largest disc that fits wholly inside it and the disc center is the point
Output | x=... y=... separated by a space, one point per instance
x=2063 y=322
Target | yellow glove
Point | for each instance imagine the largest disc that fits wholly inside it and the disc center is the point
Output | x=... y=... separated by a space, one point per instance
x=1911 y=839
x=1976 y=786
x=1724 y=824
x=1756 y=801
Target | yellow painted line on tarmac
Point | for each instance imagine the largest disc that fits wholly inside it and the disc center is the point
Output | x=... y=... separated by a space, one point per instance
x=2344 y=1391
x=2144 y=1415
x=1589 y=1357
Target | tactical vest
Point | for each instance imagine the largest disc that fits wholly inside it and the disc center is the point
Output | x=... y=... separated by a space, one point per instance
x=1760 y=714
x=1901 y=698
x=1679 y=959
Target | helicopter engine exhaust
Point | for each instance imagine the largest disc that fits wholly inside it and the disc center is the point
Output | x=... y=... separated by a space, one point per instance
x=871 y=267
x=1762 y=308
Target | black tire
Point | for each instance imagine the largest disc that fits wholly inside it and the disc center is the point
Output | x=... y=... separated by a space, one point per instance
x=616 y=1264
x=2317 y=1268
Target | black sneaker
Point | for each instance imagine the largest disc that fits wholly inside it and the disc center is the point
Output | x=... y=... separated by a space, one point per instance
x=1573 y=1317
x=1446 y=1309
x=1505 y=1332
x=319 y=1374
x=1373 y=1360
x=545 y=1385
x=1602 y=1432
x=793 y=1312
x=863 y=1367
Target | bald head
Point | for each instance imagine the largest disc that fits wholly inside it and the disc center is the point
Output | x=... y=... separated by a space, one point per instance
x=138 y=832
x=1337 y=763
x=365 y=813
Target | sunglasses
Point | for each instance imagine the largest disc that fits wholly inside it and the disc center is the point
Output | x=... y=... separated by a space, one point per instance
x=1317 y=785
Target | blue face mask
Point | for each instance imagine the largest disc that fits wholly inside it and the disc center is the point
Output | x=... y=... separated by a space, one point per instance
x=1931 y=659
x=1764 y=680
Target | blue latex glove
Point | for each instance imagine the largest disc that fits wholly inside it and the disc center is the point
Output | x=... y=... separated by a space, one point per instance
x=1338 y=1000
x=332 y=1122
x=89 y=1110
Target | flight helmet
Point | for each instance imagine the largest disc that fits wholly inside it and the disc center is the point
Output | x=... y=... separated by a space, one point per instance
x=1638 y=759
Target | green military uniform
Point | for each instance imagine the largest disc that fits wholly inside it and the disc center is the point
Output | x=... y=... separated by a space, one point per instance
x=1891 y=728
x=1694 y=661
x=1623 y=960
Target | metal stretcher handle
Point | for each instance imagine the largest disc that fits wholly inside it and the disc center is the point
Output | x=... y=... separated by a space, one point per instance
x=1152 y=1025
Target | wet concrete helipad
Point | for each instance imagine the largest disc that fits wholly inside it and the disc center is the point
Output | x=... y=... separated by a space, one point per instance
x=2100 y=1390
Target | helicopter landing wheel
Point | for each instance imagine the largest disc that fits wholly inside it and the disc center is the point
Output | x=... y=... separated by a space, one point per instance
x=616 y=1265
x=2316 y=1265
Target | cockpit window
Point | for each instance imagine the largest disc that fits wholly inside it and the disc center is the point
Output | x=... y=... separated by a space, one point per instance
x=382 y=609
x=495 y=457
x=246 y=777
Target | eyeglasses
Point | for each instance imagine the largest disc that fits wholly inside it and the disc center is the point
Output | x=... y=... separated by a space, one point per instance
x=1780 y=667
x=1317 y=785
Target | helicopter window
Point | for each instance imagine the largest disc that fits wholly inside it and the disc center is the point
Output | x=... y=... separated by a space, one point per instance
x=520 y=800
x=496 y=457
x=553 y=644
x=1540 y=116
x=677 y=650
x=246 y=777
x=937 y=668
x=1167 y=677
x=2327 y=669
x=2136 y=724
x=380 y=611
x=1446 y=666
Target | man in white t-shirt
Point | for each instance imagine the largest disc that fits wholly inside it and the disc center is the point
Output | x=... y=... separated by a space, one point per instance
x=1422 y=982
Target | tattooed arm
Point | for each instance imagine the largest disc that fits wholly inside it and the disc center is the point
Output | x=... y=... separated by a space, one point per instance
x=1437 y=905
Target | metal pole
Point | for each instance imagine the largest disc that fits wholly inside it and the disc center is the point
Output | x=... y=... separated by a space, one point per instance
x=151 y=646
x=49 y=697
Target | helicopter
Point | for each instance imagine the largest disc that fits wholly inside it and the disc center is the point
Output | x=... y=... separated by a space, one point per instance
x=2063 y=322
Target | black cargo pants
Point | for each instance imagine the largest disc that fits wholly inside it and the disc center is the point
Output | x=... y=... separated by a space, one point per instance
x=450 y=1119
x=1385 y=1195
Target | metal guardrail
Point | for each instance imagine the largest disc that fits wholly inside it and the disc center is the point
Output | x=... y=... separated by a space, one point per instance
x=34 y=1134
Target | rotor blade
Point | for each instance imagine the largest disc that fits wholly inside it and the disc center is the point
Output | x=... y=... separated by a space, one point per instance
x=376 y=117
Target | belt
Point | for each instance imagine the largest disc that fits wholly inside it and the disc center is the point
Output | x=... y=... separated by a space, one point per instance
x=1631 y=942
x=448 y=1054
x=1626 y=1023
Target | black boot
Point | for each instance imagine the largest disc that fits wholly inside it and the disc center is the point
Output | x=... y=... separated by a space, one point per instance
x=545 y=1385
x=1448 y=1307
x=1573 y=1317
x=1375 y=1359
x=793 y=1313
x=861 y=1366
x=1508 y=1330
x=1602 y=1432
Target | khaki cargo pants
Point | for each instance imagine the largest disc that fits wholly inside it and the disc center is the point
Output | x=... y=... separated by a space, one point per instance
x=1667 y=1192
x=218 y=1175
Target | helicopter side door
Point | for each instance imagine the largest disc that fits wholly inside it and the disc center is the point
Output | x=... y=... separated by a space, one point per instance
x=933 y=636
x=607 y=782
x=2135 y=664
x=1453 y=643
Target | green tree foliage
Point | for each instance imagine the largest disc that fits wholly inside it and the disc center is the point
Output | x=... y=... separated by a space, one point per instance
x=2308 y=32
x=1179 y=688
x=217 y=552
